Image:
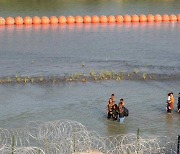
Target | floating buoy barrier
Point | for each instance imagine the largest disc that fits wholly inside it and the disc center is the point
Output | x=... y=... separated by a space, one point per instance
x=62 y=20
x=19 y=20
x=36 y=20
x=165 y=18
x=142 y=18
x=119 y=19
x=89 y=19
x=103 y=19
x=27 y=20
x=95 y=19
x=150 y=18
x=157 y=18
x=127 y=18
x=44 y=20
x=10 y=21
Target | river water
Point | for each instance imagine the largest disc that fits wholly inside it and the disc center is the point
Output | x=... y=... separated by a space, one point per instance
x=61 y=50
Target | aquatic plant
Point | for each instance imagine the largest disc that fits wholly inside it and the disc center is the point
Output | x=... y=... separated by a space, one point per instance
x=80 y=77
x=32 y=80
x=82 y=65
x=26 y=80
x=135 y=71
x=41 y=79
x=18 y=79
x=92 y=73
x=144 y=76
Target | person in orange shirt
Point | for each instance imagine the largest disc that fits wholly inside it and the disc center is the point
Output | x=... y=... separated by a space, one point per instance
x=172 y=101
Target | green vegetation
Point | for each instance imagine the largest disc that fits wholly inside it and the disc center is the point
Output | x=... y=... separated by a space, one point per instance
x=79 y=77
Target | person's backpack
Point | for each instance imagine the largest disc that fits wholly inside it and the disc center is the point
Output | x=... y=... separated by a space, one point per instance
x=126 y=112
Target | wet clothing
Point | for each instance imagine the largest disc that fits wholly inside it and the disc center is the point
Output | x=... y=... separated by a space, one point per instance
x=178 y=105
x=126 y=112
x=109 y=111
x=168 y=108
x=115 y=114
x=121 y=120
x=109 y=115
x=172 y=103
x=121 y=112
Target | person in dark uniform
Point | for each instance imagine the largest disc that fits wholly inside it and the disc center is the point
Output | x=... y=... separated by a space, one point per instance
x=178 y=105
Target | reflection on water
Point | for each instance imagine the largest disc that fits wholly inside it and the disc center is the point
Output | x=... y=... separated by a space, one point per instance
x=86 y=103
x=169 y=122
x=61 y=49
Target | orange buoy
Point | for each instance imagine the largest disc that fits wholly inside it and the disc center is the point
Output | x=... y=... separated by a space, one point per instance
x=44 y=20
x=165 y=18
x=36 y=20
x=103 y=19
x=2 y=21
x=27 y=20
x=18 y=20
x=178 y=17
x=119 y=18
x=157 y=18
x=95 y=19
x=70 y=19
x=87 y=19
x=150 y=18
x=134 y=18
x=9 y=21
x=62 y=19
x=172 y=18
x=142 y=18
x=53 y=20
x=111 y=19
x=127 y=18
x=79 y=19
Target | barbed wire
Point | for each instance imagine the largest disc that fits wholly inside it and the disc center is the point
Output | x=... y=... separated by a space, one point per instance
x=71 y=137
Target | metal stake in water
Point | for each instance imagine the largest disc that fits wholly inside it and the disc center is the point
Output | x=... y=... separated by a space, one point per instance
x=178 y=145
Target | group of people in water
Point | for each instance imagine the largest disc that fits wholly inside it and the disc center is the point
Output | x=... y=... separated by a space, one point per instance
x=170 y=103
x=116 y=112
x=119 y=112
